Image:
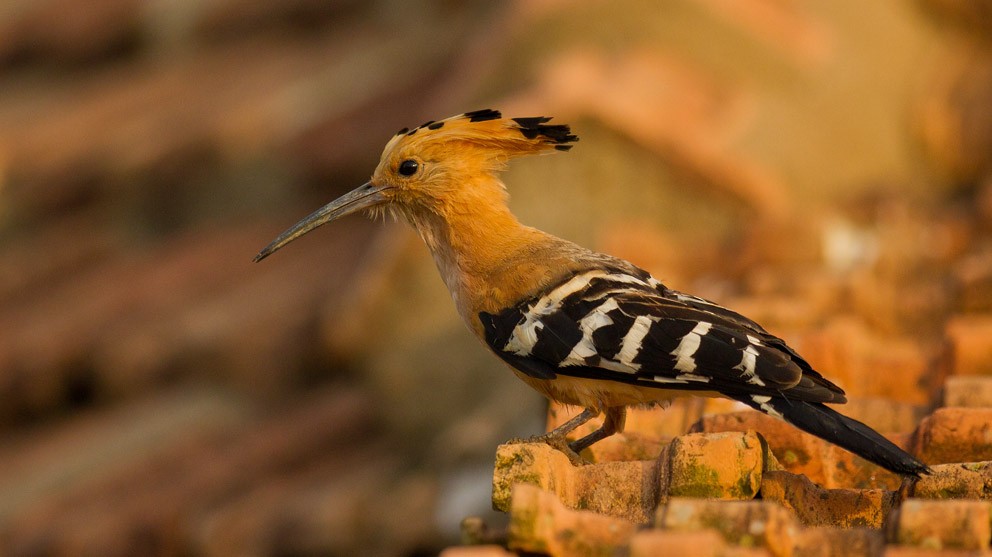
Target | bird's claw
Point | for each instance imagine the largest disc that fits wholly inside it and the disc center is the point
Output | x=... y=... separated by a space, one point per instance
x=558 y=442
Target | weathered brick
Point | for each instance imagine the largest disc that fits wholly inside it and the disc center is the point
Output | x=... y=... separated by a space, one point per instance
x=955 y=435
x=815 y=506
x=950 y=524
x=968 y=391
x=844 y=469
x=716 y=465
x=745 y=523
x=739 y=551
x=827 y=541
x=540 y=523
x=970 y=480
x=907 y=551
x=969 y=337
x=476 y=551
x=629 y=490
x=626 y=446
x=796 y=451
x=698 y=543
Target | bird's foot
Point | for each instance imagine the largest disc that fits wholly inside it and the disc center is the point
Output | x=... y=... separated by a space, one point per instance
x=558 y=442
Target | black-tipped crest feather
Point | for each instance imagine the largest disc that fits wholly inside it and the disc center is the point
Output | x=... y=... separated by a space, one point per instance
x=536 y=126
x=483 y=115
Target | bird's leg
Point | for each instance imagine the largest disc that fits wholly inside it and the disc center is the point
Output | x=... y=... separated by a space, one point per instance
x=613 y=423
x=556 y=437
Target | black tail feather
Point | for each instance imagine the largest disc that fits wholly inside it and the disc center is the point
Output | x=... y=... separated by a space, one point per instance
x=826 y=423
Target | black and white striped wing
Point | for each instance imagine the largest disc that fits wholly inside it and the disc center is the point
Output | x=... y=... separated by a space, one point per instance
x=620 y=325
x=615 y=326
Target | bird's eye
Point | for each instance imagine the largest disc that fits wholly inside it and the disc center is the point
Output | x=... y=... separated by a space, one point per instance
x=408 y=167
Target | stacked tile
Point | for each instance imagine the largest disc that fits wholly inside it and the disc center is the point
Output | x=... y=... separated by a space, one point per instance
x=727 y=490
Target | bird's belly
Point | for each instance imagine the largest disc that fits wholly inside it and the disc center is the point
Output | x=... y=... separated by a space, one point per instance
x=597 y=393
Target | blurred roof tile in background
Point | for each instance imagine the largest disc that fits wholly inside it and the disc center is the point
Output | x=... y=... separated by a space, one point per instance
x=822 y=166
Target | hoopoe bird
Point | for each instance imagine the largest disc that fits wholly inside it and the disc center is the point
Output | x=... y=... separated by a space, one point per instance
x=580 y=327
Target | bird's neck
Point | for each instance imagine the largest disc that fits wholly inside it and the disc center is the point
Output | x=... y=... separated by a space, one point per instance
x=488 y=259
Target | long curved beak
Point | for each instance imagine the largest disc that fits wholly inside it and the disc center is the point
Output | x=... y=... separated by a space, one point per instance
x=362 y=197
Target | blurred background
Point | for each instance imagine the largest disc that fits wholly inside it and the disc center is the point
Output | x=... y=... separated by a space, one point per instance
x=821 y=166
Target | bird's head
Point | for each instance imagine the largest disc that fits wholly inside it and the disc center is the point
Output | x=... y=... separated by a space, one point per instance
x=439 y=167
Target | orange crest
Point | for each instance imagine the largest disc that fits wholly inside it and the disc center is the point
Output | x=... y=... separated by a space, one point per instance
x=483 y=134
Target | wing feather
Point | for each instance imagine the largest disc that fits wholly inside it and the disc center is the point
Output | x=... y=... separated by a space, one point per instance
x=632 y=329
